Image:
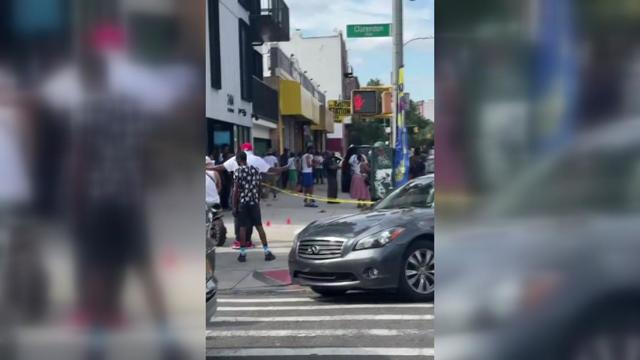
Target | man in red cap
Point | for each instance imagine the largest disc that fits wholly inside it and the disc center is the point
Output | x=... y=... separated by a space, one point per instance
x=252 y=160
x=246 y=205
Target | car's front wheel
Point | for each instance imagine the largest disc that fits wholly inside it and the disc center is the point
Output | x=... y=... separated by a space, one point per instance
x=327 y=291
x=417 y=276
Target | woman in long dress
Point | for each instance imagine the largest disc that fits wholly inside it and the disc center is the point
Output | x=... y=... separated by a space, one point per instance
x=359 y=171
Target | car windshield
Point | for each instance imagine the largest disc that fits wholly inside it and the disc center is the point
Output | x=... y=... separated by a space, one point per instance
x=418 y=193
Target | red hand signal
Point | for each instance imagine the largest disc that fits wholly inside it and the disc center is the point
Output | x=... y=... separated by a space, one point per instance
x=358 y=102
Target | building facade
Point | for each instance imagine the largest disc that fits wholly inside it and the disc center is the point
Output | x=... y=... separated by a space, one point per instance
x=302 y=104
x=325 y=61
x=240 y=106
x=427 y=109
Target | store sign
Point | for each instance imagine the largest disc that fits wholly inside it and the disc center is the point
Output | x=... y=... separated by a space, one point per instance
x=340 y=109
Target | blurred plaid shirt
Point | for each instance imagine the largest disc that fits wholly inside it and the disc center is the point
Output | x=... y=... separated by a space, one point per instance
x=109 y=131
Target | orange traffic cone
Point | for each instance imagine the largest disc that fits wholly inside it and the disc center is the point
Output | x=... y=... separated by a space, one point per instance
x=288 y=221
x=268 y=223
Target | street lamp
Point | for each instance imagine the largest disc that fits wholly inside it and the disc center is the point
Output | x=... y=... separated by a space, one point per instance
x=418 y=38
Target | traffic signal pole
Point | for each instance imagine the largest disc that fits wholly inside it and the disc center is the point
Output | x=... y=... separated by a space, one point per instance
x=398 y=128
x=396 y=27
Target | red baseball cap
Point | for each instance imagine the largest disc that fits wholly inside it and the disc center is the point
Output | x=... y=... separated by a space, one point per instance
x=246 y=147
x=108 y=37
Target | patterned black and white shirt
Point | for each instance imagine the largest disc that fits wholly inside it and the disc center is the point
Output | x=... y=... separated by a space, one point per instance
x=248 y=180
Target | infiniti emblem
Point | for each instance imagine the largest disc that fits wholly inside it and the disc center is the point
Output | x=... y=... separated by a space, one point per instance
x=313 y=250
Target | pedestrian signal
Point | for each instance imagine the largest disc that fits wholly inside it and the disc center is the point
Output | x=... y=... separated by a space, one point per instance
x=365 y=102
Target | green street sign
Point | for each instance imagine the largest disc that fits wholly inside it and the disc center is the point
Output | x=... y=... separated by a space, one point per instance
x=368 y=30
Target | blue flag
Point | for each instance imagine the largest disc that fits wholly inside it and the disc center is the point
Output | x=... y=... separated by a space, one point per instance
x=401 y=158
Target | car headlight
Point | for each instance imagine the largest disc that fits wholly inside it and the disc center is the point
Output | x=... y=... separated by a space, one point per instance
x=379 y=239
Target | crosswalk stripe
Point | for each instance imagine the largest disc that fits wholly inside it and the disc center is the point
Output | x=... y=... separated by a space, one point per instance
x=315 y=332
x=275 y=250
x=263 y=300
x=323 y=351
x=320 y=318
x=321 y=307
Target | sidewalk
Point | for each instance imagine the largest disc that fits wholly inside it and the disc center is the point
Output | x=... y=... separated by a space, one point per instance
x=282 y=218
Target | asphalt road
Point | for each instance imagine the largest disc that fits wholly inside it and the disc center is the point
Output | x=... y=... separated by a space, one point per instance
x=295 y=323
x=261 y=317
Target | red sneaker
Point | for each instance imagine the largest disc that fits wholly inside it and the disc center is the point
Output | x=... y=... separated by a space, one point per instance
x=236 y=245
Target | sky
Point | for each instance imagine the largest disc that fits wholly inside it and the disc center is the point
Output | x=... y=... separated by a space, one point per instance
x=372 y=57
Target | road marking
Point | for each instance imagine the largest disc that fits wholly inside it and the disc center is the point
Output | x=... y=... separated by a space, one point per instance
x=322 y=307
x=274 y=250
x=263 y=300
x=316 y=332
x=346 y=351
x=320 y=318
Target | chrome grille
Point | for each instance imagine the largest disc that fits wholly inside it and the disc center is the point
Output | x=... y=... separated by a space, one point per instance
x=320 y=249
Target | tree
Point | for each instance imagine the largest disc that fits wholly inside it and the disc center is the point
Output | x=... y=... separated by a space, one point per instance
x=374 y=82
x=421 y=131
x=367 y=132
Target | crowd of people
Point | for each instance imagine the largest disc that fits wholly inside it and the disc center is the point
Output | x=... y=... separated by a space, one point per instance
x=239 y=182
x=302 y=170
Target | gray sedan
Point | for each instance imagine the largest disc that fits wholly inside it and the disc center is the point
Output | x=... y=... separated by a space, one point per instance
x=388 y=247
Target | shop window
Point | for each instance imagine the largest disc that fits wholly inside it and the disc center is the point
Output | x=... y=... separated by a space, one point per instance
x=214 y=43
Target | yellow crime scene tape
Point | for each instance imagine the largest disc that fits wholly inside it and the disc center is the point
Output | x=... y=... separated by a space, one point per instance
x=318 y=198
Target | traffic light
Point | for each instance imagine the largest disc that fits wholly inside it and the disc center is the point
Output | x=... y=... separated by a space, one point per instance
x=365 y=102
x=387 y=102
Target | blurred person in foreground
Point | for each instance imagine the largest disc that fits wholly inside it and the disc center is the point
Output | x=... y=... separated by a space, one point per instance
x=246 y=204
x=109 y=128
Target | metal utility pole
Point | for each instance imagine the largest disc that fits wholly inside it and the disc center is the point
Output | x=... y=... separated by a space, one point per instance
x=398 y=61
x=399 y=129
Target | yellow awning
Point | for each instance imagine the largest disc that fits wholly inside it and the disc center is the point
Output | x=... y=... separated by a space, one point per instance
x=297 y=101
x=326 y=120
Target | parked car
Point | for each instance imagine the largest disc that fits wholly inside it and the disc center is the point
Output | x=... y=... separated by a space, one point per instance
x=550 y=269
x=388 y=247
